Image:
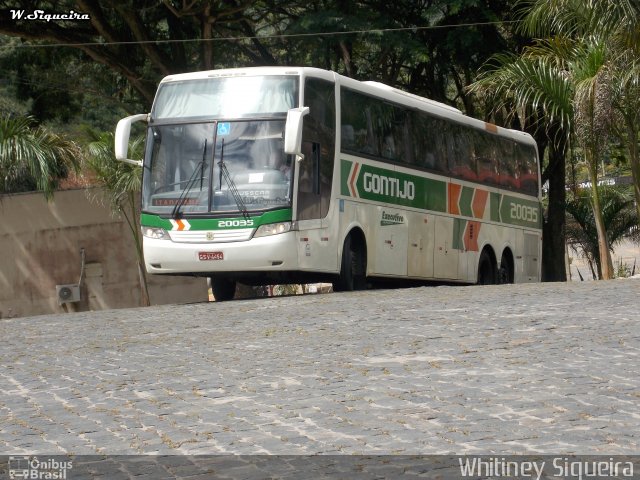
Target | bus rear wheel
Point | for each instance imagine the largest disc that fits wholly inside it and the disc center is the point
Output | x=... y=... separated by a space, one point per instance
x=223 y=289
x=353 y=270
x=486 y=269
x=505 y=272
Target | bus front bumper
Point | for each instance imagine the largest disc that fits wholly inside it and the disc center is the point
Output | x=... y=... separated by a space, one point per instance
x=262 y=254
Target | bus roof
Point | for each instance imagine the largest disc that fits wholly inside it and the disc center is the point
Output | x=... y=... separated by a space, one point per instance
x=371 y=87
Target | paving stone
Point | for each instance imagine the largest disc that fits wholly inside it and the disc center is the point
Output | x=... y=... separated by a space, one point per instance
x=507 y=369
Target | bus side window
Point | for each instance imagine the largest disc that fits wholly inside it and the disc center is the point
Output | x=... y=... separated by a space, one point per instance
x=438 y=129
x=394 y=133
x=528 y=170
x=509 y=176
x=348 y=137
x=309 y=180
x=319 y=133
x=356 y=119
x=487 y=157
x=429 y=144
x=384 y=130
x=461 y=155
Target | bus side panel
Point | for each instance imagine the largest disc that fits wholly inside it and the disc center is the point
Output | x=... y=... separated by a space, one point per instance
x=391 y=240
x=446 y=254
x=529 y=254
x=314 y=247
x=421 y=245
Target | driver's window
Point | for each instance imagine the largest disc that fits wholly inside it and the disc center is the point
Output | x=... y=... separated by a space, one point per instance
x=318 y=148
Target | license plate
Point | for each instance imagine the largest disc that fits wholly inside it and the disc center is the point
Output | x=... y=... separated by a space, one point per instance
x=204 y=256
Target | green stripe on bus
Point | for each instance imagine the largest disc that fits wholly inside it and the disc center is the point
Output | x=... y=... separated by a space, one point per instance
x=466 y=197
x=494 y=201
x=387 y=186
x=345 y=168
x=521 y=212
x=275 y=216
x=459 y=226
x=364 y=181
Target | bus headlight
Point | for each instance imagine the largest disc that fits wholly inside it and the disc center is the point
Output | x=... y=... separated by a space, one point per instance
x=272 y=229
x=154 y=232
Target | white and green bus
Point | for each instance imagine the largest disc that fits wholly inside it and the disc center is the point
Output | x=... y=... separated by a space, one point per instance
x=297 y=175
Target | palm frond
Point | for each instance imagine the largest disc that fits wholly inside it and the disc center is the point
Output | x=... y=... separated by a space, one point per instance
x=32 y=156
x=533 y=84
x=119 y=179
x=543 y=18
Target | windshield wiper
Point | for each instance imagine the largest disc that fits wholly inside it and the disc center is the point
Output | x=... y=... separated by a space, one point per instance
x=176 y=213
x=224 y=172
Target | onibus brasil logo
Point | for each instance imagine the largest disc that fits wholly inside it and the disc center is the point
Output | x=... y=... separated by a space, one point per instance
x=38 y=469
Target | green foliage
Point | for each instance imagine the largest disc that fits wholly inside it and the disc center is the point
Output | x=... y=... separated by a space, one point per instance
x=118 y=178
x=577 y=81
x=619 y=216
x=131 y=45
x=32 y=157
x=540 y=91
x=122 y=183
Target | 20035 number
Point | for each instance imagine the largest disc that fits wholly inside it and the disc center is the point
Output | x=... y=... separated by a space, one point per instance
x=524 y=212
x=235 y=223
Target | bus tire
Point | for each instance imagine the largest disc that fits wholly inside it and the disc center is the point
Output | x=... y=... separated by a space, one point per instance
x=487 y=274
x=505 y=272
x=223 y=289
x=353 y=270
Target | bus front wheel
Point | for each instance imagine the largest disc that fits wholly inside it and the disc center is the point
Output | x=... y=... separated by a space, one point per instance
x=223 y=289
x=353 y=270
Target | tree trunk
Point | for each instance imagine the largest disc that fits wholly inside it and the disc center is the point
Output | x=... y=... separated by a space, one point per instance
x=137 y=240
x=144 y=286
x=553 y=238
x=207 y=35
x=606 y=264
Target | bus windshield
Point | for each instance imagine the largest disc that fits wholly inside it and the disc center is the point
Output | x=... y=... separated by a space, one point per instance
x=198 y=168
x=226 y=97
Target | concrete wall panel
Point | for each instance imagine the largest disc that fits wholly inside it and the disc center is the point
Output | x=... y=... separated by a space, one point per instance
x=40 y=245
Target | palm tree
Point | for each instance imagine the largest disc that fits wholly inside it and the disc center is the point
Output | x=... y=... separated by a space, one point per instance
x=591 y=57
x=533 y=88
x=122 y=181
x=613 y=91
x=626 y=103
x=619 y=216
x=593 y=104
x=33 y=158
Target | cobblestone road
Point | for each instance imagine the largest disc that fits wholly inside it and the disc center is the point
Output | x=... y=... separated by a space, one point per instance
x=549 y=368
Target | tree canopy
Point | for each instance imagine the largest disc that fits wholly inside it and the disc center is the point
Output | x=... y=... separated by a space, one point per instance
x=430 y=47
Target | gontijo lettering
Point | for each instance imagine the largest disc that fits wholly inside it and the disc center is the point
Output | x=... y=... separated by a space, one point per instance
x=383 y=185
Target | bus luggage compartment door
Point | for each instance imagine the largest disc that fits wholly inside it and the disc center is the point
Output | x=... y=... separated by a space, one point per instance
x=391 y=242
x=445 y=257
x=420 y=248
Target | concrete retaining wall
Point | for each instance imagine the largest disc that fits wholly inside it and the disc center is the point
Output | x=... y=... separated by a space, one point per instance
x=40 y=244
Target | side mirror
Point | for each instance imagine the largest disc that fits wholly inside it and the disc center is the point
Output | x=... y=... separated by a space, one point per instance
x=293 y=131
x=123 y=131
